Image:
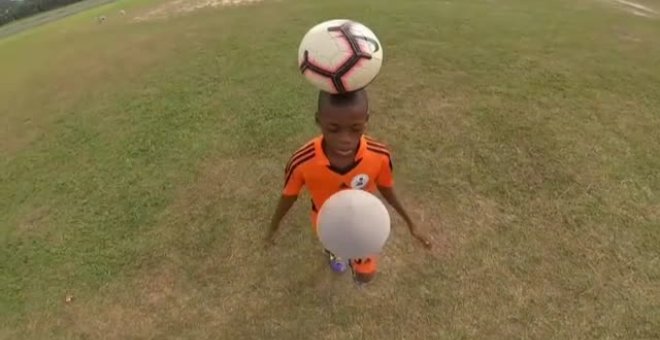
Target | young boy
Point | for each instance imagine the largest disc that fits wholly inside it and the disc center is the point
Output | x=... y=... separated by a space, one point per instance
x=342 y=157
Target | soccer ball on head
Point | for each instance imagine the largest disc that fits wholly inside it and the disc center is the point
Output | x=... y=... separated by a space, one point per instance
x=340 y=56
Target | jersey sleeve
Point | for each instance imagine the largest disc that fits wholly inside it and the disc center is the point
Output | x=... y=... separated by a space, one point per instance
x=294 y=178
x=385 y=177
x=293 y=182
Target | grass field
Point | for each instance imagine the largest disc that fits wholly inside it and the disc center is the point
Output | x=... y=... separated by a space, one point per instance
x=140 y=163
x=50 y=16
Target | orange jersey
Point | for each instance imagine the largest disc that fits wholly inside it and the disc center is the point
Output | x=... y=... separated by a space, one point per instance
x=310 y=167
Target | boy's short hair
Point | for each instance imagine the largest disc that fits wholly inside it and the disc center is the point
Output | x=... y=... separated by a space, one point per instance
x=343 y=100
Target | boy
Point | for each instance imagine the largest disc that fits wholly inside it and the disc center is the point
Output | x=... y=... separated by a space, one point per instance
x=342 y=157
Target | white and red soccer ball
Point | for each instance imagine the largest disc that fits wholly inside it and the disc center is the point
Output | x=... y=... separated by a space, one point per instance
x=339 y=56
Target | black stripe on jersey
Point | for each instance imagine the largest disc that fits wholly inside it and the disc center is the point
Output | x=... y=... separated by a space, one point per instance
x=305 y=147
x=294 y=165
x=382 y=152
x=378 y=149
x=375 y=143
x=298 y=155
x=378 y=146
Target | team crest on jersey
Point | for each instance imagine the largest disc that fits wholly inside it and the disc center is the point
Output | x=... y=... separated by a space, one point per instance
x=360 y=181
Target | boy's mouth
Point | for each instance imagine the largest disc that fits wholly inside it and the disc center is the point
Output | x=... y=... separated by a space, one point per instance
x=343 y=150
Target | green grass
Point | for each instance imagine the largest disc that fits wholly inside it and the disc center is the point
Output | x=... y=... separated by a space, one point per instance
x=140 y=163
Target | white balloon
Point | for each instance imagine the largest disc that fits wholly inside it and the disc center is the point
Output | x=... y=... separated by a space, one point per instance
x=353 y=224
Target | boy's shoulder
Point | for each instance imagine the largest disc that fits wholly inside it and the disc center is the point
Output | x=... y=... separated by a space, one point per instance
x=303 y=153
x=377 y=146
x=380 y=150
x=376 y=142
x=309 y=145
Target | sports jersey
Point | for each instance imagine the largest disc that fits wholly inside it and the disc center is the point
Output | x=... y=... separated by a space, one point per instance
x=309 y=167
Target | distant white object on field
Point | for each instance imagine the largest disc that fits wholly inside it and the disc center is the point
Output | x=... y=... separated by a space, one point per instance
x=122 y=12
x=339 y=56
x=100 y=19
x=353 y=224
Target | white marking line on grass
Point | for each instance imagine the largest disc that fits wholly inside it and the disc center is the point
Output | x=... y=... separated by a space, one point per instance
x=184 y=6
x=640 y=13
x=637 y=6
x=636 y=9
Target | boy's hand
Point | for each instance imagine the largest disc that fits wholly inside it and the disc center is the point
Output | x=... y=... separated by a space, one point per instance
x=270 y=239
x=391 y=198
x=423 y=240
x=285 y=203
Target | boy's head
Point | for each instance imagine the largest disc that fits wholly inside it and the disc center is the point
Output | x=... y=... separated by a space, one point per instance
x=342 y=119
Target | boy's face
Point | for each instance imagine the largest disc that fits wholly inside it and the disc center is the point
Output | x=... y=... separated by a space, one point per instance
x=342 y=128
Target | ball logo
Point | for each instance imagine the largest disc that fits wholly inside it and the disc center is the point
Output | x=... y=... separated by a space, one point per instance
x=360 y=181
x=373 y=44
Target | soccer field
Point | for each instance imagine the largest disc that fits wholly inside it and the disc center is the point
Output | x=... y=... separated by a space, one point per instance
x=141 y=159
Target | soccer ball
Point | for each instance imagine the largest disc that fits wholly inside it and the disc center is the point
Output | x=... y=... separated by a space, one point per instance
x=353 y=223
x=339 y=56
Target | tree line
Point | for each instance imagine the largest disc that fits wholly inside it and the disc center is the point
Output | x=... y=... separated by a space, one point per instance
x=11 y=10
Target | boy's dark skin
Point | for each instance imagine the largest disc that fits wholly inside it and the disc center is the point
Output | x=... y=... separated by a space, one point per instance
x=342 y=124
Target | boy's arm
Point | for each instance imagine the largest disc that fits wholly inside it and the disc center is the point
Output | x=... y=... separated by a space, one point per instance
x=385 y=183
x=293 y=184
x=393 y=200
x=283 y=206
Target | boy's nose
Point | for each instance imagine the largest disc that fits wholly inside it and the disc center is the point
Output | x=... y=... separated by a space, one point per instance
x=346 y=139
x=346 y=143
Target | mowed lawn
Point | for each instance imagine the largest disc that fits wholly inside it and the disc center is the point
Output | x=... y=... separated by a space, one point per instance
x=140 y=163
